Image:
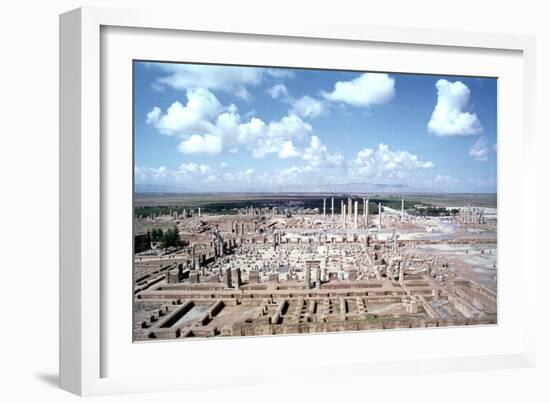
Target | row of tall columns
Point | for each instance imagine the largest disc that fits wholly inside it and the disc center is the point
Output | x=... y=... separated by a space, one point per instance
x=351 y=210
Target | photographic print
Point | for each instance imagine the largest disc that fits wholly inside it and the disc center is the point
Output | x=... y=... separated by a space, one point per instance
x=272 y=200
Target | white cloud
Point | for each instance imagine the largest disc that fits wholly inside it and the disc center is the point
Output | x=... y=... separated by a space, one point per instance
x=449 y=117
x=233 y=79
x=188 y=174
x=367 y=89
x=290 y=126
x=318 y=156
x=147 y=175
x=278 y=91
x=157 y=87
x=207 y=127
x=262 y=139
x=192 y=167
x=385 y=163
x=480 y=149
x=241 y=92
x=212 y=179
x=190 y=119
x=207 y=144
x=153 y=116
x=280 y=73
x=288 y=150
x=293 y=171
x=308 y=107
x=226 y=78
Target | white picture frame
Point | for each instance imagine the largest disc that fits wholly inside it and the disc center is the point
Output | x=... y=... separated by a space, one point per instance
x=83 y=306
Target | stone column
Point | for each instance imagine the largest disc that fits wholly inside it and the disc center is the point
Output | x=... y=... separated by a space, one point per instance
x=237 y=278
x=332 y=209
x=402 y=209
x=379 y=215
x=350 y=209
x=227 y=278
x=194 y=277
x=307 y=279
x=366 y=212
x=324 y=207
x=355 y=218
x=318 y=277
x=344 y=217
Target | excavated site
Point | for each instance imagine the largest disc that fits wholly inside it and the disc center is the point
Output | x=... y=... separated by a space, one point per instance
x=348 y=265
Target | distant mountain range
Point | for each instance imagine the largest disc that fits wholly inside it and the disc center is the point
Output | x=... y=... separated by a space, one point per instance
x=156 y=188
x=298 y=188
x=345 y=188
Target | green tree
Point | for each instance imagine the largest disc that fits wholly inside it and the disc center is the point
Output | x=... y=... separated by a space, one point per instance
x=171 y=237
x=157 y=235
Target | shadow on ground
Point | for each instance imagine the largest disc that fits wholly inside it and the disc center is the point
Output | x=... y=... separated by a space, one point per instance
x=49 y=379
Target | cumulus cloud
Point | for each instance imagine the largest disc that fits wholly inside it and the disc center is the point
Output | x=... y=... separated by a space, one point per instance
x=308 y=107
x=305 y=107
x=262 y=139
x=385 y=163
x=288 y=150
x=207 y=144
x=188 y=119
x=449 y=117
x=187 y=174
x=216 y=78
x=207 y=127
x=318 y=156
x=153 y=116
x=148 y=175
x=225 y=78
x=480 y=149
x=243 y=93
x=192 y=167
x=278 y=91
x=365 y=90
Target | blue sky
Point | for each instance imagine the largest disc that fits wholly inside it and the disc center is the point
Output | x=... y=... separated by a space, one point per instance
x=232 y=128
